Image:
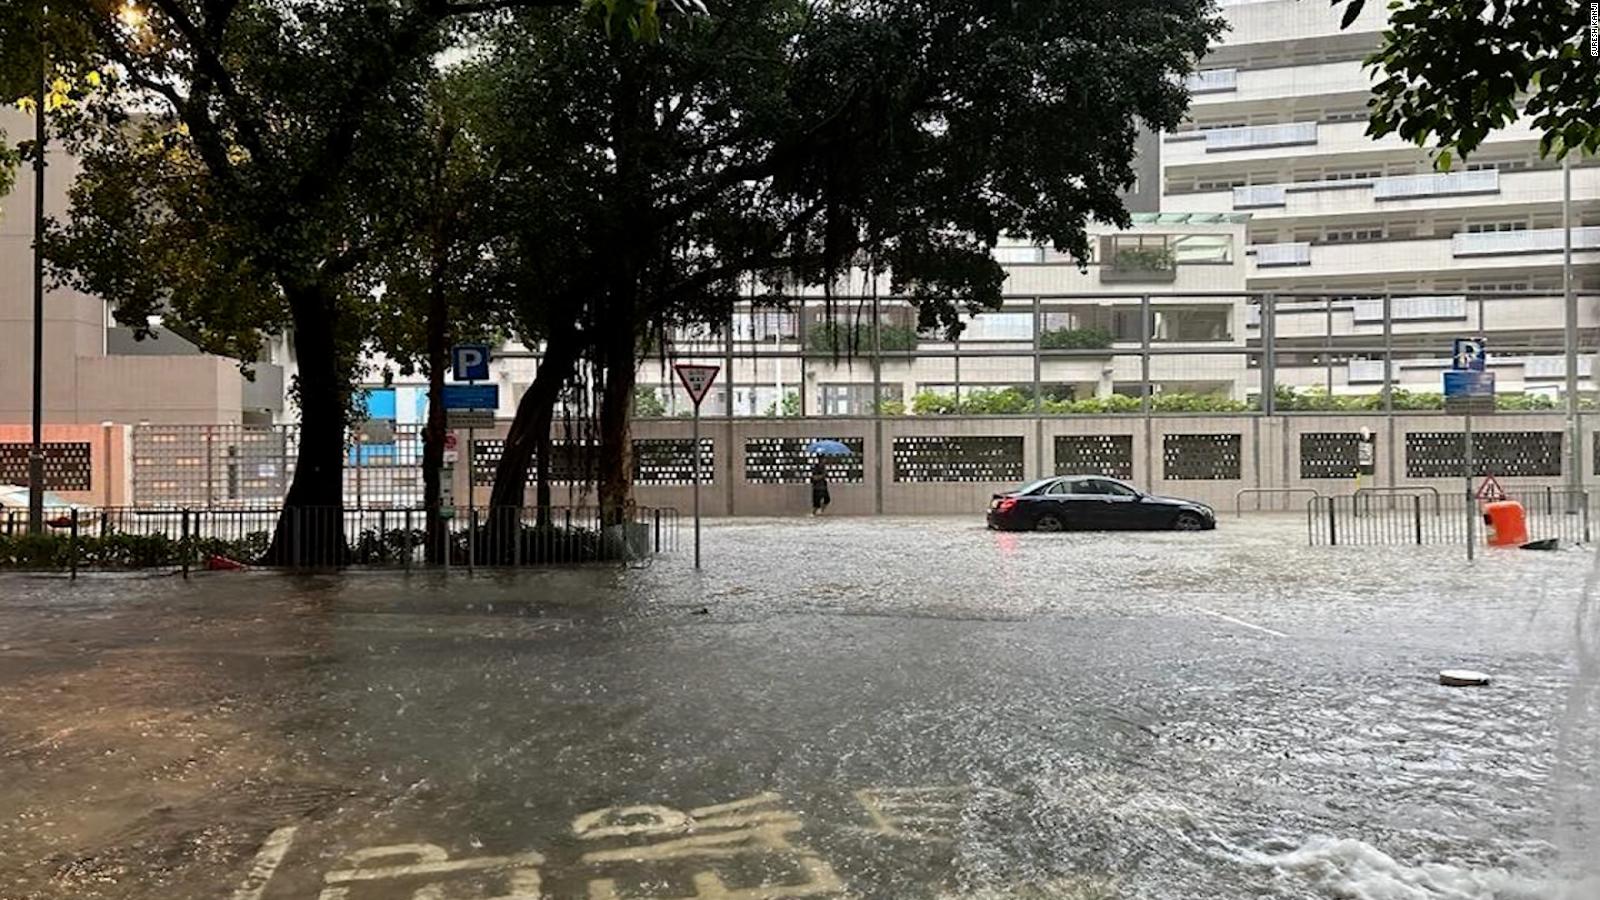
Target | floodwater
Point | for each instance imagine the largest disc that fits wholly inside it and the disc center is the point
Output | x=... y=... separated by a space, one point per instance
x=871 y=708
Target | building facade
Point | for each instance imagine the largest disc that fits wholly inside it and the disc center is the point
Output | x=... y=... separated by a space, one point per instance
x=1354 y=224
x=93 y=369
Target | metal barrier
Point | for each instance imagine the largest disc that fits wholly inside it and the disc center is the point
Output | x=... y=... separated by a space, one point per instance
x=313 y=538
x=1353 y=520
x=1239 y=497
x=1400 y=489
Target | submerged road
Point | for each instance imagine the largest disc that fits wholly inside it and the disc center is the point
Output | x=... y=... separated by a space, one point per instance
x=832 y=708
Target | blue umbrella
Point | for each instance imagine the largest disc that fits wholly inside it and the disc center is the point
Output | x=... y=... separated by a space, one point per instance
x=828 y=448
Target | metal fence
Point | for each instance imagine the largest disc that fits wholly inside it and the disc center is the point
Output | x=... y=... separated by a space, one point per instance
x=185 y=539
x=1422 y=516
x=246 y=466
x=1172 y=351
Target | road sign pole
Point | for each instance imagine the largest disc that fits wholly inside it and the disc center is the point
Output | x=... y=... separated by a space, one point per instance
x=697 y=381
x=694 y=451
x=1467 y=467
x=472 y=507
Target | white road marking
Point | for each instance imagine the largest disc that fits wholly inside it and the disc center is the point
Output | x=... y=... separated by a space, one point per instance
x=1227 y=618
x=268 y=858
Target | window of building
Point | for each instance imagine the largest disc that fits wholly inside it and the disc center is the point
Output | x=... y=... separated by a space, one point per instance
x=765 y=325
x=1346 y=115
x=1202 y=248
x=1353 y=235
x=1219 y=184
x=854 y=399
x=1353 y=175
x=1504 y=165
x=1486 y=287
x=1486 y=227
x=1212 y=322
x=998 y=326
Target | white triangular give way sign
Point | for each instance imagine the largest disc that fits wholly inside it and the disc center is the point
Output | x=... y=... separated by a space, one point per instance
x=696 y=379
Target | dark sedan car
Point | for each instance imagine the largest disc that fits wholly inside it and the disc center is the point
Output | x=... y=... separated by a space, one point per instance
x=1094 y=503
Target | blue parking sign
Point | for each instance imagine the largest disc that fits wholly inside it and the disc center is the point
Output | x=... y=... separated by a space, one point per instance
x=1469 y=355
x=470 y=362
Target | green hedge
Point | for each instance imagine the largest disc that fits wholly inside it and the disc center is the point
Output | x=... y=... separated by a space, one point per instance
x=1317 y=399
x=1143 y=259
x=834 y=339
x=1017 y=401
x=121 y=551
x=1075 y=339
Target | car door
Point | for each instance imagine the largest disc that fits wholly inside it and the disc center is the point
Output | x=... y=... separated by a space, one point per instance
x=1056 y=500
x=1121 y=506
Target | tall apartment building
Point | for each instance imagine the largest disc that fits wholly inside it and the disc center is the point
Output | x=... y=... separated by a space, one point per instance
x=94 y=370
x=1277 y=130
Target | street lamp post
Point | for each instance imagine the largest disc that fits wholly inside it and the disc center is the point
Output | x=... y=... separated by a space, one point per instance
x=36 y=448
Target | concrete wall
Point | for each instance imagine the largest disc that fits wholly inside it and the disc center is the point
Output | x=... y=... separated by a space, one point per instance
x=1269 y=459
x=110 y=459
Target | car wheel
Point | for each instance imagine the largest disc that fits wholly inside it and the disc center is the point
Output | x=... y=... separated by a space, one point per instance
x=1047 y=522
x=1188 y=521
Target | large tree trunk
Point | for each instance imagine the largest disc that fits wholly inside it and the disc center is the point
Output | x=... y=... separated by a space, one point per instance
x=616 y=434
x=310 y=530
x=528 y=444
x=434 y=434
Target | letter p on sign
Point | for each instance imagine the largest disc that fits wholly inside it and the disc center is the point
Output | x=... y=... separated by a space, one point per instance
x=470 y=362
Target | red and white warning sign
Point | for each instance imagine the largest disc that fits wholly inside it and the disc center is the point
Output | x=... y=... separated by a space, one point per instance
x=696 y=379
x=1490 y=490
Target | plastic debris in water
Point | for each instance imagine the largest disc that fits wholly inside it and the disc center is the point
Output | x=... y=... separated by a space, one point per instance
x=1462 y=678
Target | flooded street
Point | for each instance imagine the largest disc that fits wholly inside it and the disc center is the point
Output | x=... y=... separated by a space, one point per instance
x=888 y=708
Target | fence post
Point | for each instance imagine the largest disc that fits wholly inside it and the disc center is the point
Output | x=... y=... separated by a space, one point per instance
x=516 y=536
x=406 y=542
x=183 y=543
x=1416 y=516
x=1585 y=497
x=658 y=530
x=72 y=544
x=1333 y=522
x=472 y=540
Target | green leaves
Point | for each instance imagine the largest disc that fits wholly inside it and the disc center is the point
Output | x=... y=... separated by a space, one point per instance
x=1454 y=71
x=1351 y=13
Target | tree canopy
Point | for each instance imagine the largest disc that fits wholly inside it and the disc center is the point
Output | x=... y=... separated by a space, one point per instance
x=587 y=173
x=1455 y=70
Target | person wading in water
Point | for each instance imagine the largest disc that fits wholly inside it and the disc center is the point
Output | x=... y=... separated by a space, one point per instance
x=819 y=488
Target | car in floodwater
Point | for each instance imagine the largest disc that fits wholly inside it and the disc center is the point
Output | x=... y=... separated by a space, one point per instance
x=1094 y=503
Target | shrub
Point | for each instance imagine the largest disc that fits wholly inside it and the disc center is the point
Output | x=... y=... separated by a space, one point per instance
x=647 y=403
x=1075 y=339
x=834 y=339
x=1143 y=259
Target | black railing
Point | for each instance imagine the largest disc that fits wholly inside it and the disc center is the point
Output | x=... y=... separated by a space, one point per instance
x=314 y=538
x=1423 y=516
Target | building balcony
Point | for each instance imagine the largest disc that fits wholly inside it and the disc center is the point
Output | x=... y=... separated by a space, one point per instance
x=1210 y=81
x=1305 y=319
x=1491 y=253
x=1294 y=253
x=1260 y=88
x=1537 y=240
x=1283 y=21
x=1411 y=309
x=1315 y=199
x=1254 y=137
x=1437 y=184
x=1267 y=143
